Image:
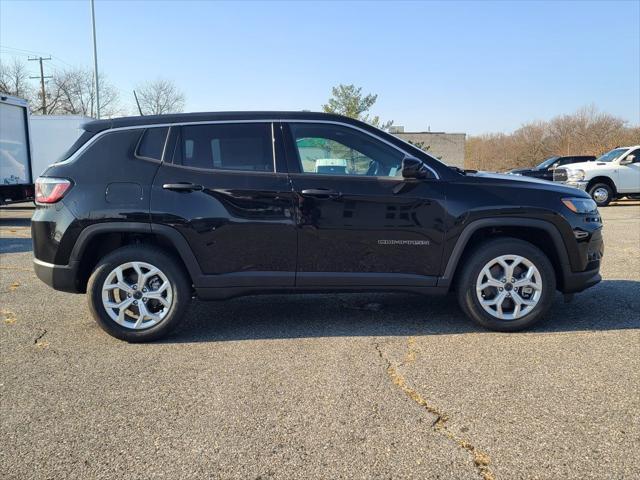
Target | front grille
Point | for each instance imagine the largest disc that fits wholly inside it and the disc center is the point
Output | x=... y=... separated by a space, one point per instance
x=560 y=175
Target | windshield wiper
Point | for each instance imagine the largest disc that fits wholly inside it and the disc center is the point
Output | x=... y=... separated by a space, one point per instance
x=461 y=170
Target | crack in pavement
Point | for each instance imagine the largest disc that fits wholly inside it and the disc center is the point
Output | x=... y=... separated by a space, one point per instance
x=481 y=460
x=37 y=341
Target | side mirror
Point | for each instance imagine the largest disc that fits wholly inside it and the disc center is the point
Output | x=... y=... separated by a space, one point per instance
x=413 y=167
x=627 y=160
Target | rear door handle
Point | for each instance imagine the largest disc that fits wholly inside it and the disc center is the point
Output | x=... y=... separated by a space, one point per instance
x=320 y=193
x=182 y=187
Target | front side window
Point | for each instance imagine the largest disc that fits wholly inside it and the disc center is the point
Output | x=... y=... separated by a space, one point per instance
x=636 y=154
x=233 y=146
x=327 y=149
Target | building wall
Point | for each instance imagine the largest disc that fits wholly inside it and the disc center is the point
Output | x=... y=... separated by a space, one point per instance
x=449 y=147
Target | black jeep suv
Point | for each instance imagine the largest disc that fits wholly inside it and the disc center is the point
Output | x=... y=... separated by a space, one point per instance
x=144 y=213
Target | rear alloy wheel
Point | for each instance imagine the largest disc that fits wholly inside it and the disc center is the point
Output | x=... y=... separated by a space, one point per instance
x=601 y=193
x=138 y=293
x=506 y=284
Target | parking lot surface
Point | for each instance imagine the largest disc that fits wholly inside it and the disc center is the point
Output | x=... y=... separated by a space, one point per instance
x=328 y=386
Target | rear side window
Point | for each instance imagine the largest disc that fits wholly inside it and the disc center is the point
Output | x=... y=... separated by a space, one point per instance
x=239 y=146
x=152 y=143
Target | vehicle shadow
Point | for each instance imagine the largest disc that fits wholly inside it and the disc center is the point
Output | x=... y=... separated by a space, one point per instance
x=611 y=305
x=15 y=222
x=15 y=245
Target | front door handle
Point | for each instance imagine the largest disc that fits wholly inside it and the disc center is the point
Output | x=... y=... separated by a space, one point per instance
x=182 y=187
x=320 y=193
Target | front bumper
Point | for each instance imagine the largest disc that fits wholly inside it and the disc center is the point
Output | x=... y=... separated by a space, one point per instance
x=591 y=251
x=59 y=277
x=582 y=185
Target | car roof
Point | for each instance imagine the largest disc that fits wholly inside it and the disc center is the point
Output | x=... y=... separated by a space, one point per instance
x=119 y=122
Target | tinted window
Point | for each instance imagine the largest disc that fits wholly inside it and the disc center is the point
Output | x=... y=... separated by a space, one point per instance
x=328 y=149
x=636 y=154
x=241 y=146
x=152 y=143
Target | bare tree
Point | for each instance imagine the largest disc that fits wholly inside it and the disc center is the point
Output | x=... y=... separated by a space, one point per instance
x=586 y=132
x=160 y=96
x=74 y=93
x=14 y=80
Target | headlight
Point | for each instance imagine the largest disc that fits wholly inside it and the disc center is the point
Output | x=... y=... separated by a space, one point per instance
x=575 y=175
x=580 y=205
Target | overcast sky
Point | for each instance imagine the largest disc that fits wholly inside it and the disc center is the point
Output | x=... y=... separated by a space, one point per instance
x=469 y=67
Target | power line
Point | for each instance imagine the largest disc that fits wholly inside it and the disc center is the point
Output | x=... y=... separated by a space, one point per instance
x=42 y=78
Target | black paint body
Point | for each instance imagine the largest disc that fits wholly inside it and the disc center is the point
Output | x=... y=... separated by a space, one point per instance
x=242 y=232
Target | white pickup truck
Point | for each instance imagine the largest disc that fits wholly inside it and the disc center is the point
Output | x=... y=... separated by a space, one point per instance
x=613 y=175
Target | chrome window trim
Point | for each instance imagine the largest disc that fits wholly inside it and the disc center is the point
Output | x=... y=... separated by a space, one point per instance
x=97 y=136
x=273 y=148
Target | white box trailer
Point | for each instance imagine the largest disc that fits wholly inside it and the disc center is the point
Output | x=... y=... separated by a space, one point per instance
x=29 y=144
x=51 y=137
x=16 y=183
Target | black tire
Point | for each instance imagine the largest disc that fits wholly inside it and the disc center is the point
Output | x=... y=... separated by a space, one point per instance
x=599 y=187
x=177 y=278
x=476 y=260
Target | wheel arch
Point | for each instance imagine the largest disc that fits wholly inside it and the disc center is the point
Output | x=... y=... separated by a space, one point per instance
x=97 y=240
x=602 y=179
x=540 y=233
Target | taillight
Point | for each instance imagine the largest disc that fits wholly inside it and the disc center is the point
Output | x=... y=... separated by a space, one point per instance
x=50 y=190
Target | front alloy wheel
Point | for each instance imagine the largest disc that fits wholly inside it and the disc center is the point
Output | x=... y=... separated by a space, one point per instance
x=505 y=284
x=509 y=287
x=137 y=295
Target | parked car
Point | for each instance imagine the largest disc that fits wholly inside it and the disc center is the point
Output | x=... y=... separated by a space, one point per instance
x=146 y=212
x=545 y=170
x=331 y=166
x=613 y=175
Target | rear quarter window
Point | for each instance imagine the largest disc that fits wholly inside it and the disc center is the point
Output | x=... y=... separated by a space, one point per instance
x=152 y=143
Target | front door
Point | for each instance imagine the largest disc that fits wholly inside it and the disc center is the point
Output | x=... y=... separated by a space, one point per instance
x=628 y=180
x=220 y=188
x=359 y=223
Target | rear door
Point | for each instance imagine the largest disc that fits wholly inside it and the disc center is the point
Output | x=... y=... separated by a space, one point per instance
x=360 y=225
x=221 y=188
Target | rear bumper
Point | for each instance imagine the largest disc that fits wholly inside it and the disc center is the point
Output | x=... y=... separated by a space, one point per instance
x=59 y=277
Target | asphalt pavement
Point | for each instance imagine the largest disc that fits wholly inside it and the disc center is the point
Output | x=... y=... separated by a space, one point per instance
x=324 y=386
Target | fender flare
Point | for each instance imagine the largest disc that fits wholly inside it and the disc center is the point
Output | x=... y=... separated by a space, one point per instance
x=170 y=234
x=456 y=254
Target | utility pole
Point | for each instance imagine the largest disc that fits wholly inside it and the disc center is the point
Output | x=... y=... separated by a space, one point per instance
x=95 y=58
x=42 y=78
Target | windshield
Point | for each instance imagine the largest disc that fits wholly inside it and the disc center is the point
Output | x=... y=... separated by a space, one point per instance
x=547 y=163
x=612 y=155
